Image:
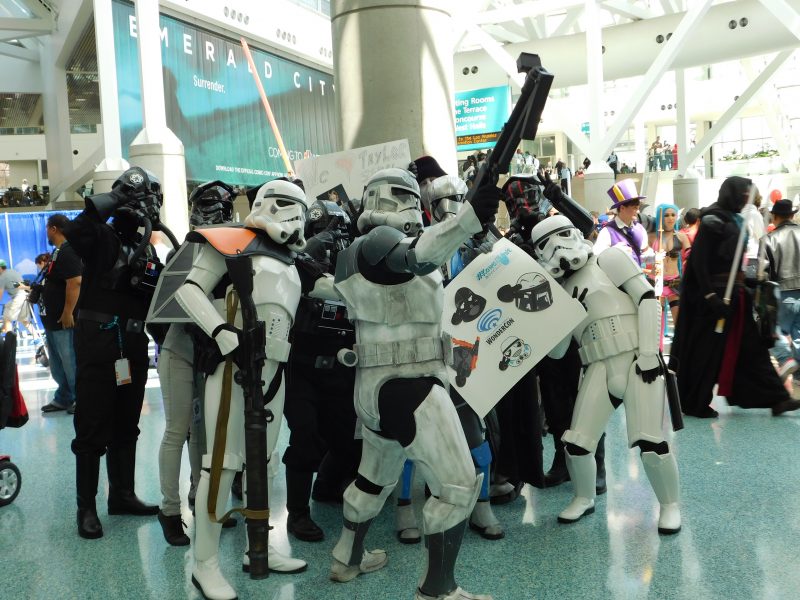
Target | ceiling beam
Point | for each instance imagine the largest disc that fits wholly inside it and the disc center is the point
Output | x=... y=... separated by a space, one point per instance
x=785 y=14
x=15 y=34
x=521 y=11
x=43 y=25
x=570 y=21
x=662 y=63
x=17 y=52
x=38 y=9
x=729 y=115
x=669 y=7
x=628 y=9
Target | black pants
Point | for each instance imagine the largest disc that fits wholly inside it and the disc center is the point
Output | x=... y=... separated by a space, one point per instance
x=321 y=418
x=558 y=384
x=108 y=415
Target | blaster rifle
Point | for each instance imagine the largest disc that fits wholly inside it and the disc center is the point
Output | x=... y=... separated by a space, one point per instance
x=256 y=416
x=523 y=125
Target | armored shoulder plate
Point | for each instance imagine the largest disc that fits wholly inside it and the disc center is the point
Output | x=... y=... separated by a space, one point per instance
x=233 y=241
x=379 y=242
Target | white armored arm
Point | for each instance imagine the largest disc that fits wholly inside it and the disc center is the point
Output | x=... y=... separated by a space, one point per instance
x=192 y=296
x=324 y=290
x=561 y=349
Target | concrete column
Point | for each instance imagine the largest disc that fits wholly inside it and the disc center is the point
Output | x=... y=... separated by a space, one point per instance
x=393 y=64
x=596 y=184
x=686 y=187
x=792 y=182
x=594 y=68
x=686 y=191
x=55 y=109
x=156 y=148
x=112 y=165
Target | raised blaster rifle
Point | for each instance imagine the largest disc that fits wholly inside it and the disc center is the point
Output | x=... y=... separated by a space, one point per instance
x=523 y=125
x=256 y=416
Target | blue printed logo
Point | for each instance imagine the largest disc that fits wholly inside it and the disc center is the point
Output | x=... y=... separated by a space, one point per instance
x=490 y=319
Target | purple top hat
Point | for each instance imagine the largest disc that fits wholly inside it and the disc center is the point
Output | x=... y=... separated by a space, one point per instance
x=623 y=192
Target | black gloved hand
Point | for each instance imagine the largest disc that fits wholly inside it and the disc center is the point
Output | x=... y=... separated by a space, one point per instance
x=486 y=201
x=718 y=306
x=552 y=191
x=413 y=169
x=650 y=367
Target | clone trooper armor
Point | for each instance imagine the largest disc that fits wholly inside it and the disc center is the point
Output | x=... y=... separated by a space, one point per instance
x=444 y=199
x=392 y=287
x=278 y=210
x=618 y=344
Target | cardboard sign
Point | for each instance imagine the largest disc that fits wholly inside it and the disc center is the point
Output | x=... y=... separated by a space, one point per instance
x=348 y=171
x=503 y=314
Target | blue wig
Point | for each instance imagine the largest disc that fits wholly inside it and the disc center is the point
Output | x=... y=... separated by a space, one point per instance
x=660 y=210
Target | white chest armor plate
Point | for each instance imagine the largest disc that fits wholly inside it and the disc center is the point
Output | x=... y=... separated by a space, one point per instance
x=611 y=323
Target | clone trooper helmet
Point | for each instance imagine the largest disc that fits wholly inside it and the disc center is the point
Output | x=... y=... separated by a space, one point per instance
x=391 y=197
x=514 y=352
x=211 y=204
x=444 y=197
x=279 y=209
x=559 y=246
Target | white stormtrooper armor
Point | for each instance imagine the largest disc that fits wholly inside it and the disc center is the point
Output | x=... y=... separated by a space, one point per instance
x=444 y=197
x=276 y=293
x=393 y=290
x=619 y=345
x=279 y=209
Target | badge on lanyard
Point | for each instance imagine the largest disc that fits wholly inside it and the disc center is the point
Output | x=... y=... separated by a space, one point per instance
x=122 y=367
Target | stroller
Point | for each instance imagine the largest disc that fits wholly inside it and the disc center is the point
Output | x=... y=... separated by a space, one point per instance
x=12 y=414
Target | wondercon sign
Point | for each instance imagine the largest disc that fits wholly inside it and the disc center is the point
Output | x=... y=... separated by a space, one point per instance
x=213 y=104
x=480 y=115
x=502 y=314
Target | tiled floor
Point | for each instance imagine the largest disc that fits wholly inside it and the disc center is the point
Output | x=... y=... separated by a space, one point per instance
x=740 y=482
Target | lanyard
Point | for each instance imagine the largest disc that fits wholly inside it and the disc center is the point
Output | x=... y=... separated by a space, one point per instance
x=112 y=324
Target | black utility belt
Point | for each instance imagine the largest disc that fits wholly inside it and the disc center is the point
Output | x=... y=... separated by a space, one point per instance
x=126 y=324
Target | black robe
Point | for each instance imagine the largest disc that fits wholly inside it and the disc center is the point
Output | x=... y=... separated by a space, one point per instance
x=697 y=350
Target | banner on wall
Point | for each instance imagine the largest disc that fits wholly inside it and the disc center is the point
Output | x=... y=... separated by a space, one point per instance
x=480 y=115
x=213 y=104
x=342 y=175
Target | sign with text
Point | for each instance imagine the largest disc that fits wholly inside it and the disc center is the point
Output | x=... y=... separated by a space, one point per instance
x=213 y=104
x=325 y=176
x=502 y=314
x=480 y=115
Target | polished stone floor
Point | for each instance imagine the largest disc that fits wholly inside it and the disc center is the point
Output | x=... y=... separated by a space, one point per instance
x=741 y=509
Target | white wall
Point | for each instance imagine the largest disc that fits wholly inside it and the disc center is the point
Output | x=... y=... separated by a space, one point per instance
x=22 y=152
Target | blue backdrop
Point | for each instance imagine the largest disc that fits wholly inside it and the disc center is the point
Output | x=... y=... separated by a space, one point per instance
x=23 y=236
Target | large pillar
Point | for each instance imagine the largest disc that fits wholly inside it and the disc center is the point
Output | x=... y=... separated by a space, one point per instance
x=598 y=177
x=55 y=110
x=156 y=148
x=393 y=63
x=112 y=165
x=686 y=187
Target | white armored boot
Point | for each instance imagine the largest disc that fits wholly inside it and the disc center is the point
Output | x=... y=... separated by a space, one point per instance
x=662 y=471
x=583 y=472
x=278 y=563
x=206 y=574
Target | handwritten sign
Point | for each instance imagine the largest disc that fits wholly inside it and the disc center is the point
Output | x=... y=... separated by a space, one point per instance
x=350 y=168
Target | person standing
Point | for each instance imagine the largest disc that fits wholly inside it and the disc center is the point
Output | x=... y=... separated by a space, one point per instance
x=703 y=353
x=62 y=286
x=784 y=241
x=612 y=161
x=623 y=230
x=111 y=344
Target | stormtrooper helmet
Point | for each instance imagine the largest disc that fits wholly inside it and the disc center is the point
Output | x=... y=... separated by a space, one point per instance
x=211 y=204
x=514 y=351
x=559 y=246
x=391 y=197
x=279 y=209
x=444 y=197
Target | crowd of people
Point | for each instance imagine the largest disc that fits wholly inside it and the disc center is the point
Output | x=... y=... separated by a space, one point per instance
x=359 y=308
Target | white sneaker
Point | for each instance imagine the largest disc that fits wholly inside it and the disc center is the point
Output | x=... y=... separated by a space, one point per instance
x=787 y=369
x=576 y=509
x=457 y=594
x=371 y=561
x=207 y=577
x=278 y=563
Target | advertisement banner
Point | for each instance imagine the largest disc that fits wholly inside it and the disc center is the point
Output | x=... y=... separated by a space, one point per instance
x=502 y=314
x=480 y=115
x=213 y=104
x=341 y=176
